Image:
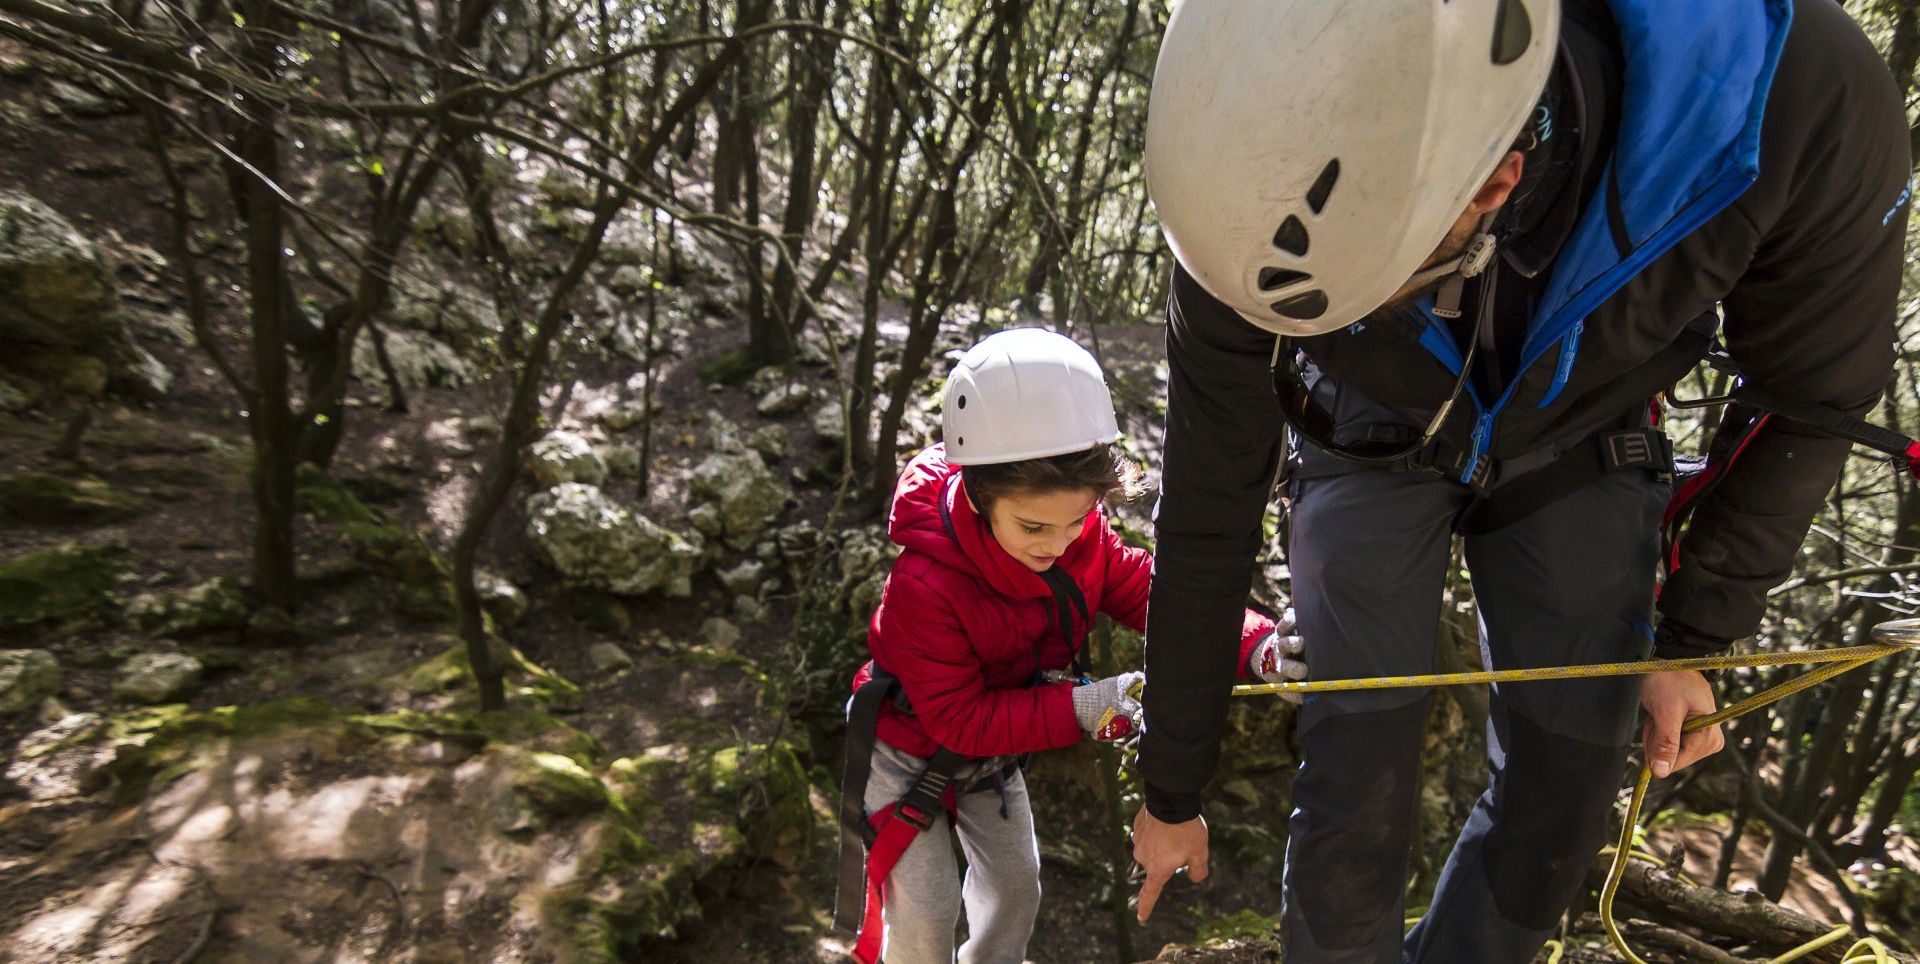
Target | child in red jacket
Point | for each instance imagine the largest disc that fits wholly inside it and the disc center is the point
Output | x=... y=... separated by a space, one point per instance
x=979 y=652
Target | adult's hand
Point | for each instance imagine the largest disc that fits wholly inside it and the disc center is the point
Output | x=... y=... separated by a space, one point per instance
x=1670 y=700
x=1163 y=848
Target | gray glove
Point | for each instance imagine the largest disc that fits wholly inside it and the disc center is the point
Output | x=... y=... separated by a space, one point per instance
x=1109 y=709
x=1281 y=657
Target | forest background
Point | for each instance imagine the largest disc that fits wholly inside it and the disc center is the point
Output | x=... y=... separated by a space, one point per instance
x=445 y=447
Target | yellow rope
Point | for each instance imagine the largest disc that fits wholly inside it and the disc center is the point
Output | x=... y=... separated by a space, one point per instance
x=1538 y=673
x=1838 y=661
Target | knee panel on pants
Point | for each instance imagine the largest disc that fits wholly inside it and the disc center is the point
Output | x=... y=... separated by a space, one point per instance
x=1554 y=797
x=1347 y=862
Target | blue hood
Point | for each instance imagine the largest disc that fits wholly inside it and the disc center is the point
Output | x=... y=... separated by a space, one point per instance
x=1693 y=98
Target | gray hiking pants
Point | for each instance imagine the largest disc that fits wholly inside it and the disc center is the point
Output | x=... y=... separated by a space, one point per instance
x=1001 y=890
x=1572 y=583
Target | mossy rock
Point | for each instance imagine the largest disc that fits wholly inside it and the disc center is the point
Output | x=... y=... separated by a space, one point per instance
x=733 y=368
x=215 y=605
x=35 y=499
x=64 y=583
x=402 y=558
x=157 y=740
x=765 y=781
x=635 y=893
x=1244 y=924
x=154 y=740
x=558 y=785
x=452 y=672
x=323 y=497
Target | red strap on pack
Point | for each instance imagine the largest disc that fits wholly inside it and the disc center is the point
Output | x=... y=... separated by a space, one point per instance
x=1913 y=459
x=893 y=833
x=1681 y=505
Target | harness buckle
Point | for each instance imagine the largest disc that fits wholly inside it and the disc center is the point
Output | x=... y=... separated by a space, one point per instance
x=1640 y=448
x=1481 y=476
x=1628 y=449
x=912 y=816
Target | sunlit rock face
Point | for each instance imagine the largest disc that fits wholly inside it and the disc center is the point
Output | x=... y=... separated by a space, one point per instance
x=562 y=457
x=157 y=677
x=745 y=494
x=597 y=543
x=61 y=321
x=55 y=289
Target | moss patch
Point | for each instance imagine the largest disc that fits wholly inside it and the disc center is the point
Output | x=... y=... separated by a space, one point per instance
x=683 y=814
x=68 y=582
x=558 y=784
x=733 y=368
x=35 y=499
x=403 y=559
x=1241 y=925
x=452 y=672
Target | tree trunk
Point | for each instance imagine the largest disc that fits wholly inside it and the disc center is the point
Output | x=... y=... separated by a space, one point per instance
x=271 y=422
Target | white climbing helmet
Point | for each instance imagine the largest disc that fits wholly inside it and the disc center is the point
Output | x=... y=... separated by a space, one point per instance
x=1025 y=393
x=1306 y=156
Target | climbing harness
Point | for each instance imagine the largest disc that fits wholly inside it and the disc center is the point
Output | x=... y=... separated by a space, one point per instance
x=1509 y=489
x=1897 y=636
x=870 y=846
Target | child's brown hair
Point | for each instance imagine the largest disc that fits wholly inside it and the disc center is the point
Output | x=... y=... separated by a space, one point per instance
x=1101 y=468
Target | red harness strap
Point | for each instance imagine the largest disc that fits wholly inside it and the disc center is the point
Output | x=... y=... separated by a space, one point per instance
x=1688 y=494
x=895 y=826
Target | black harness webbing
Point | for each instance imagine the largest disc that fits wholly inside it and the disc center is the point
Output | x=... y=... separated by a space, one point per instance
x=1508 y=490
x=921 y=802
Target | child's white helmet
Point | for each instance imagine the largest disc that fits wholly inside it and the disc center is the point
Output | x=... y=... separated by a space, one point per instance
x=1306 y=156
x=1025 y=393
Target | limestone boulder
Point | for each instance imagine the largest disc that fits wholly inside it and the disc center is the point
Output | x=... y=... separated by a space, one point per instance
x=597 y=543
x=563 y=457
x=744 y=493
x=27 y=676
x=157 y=678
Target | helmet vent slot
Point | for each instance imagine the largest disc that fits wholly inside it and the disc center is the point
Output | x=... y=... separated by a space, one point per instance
x=962 y=402
x=1323 y=186
x=1303 y=307
x=1512 y=32
x=1292 y=237
x=1273 y=279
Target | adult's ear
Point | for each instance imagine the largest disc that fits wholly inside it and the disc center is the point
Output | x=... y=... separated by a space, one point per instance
x=1499 y=185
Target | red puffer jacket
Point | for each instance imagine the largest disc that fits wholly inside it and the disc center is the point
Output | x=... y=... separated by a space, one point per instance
x=965 y=626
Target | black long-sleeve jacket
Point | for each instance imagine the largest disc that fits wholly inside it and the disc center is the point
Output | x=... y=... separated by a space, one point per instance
x=1760 y=162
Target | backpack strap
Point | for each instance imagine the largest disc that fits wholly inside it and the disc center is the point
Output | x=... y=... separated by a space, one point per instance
x=1067 y=599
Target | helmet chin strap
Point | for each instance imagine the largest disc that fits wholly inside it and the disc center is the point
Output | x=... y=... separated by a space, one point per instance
x=1473 y=260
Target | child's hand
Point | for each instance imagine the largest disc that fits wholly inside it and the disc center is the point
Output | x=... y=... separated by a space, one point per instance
x=1281 y=657
x=1109 y=709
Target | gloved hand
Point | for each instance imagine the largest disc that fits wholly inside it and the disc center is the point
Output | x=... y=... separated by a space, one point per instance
x=1109 y=709
x=1281 y=657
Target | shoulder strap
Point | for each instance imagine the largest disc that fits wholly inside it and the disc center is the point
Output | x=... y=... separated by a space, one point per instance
x=1067 y=598
x=946 y=514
